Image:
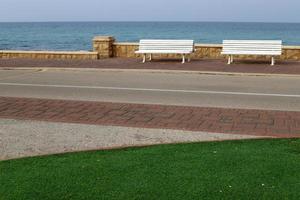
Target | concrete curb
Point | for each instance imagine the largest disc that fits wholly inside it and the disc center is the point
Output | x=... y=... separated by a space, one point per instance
x=149 y=71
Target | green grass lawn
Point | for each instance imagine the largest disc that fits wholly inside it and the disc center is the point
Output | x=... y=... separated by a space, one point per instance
x=259 y=169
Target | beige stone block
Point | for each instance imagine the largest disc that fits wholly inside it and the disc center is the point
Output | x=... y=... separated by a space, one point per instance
x=104 y=46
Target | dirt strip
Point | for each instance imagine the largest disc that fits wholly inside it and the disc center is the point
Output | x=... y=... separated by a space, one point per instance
x=217 y=120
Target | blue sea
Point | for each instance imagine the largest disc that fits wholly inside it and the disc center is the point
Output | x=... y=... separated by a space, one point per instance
x=78 y=35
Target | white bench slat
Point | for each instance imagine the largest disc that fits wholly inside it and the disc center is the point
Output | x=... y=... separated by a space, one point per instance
x=252 y=46
x=162 y=52
x=252 y=49
x=168 y=41
x=253 y=41
x=262 y=53
x=161 y=48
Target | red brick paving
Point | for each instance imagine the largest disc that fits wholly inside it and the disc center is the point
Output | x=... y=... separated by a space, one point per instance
x=242 y=66
x=221 y=120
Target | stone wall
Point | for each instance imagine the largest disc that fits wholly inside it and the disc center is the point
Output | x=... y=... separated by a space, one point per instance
x=291 y=53
x=125 y=50
x=49 y=54
x=104 y=46
x=203 y=51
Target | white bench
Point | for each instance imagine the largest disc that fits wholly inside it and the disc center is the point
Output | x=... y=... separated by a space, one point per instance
x=252 y=47
x=183 y=47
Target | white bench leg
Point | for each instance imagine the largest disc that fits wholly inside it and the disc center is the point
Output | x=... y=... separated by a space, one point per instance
x=150 y=58
x=229 y=60
x=272 y=61
x=183 y=58
x=144 y=58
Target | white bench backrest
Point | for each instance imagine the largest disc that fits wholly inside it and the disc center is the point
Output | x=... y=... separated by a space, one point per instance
x=173 y=45
x=259 y=47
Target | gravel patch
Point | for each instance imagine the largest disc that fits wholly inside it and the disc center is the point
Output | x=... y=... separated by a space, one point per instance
x=21 y=138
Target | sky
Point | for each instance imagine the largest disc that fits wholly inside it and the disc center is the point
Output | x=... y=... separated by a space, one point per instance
x=153 y=10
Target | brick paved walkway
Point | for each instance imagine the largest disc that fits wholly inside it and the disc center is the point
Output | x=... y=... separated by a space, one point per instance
x=251 y=66
x=221 y=120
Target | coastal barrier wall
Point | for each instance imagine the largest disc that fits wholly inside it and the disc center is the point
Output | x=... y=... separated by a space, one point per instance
x=79 y=55
x=107 y=47
x=204 y=51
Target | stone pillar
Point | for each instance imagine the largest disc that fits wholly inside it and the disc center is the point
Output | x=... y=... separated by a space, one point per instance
x=104 y=46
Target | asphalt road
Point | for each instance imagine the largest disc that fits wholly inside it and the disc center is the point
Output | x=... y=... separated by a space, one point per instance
x=252 y=92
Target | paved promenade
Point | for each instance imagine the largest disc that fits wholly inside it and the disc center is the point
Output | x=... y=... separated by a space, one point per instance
x=250 y=66
x=219 y=120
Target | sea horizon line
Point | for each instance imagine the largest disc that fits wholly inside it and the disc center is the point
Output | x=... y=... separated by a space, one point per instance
x=146 y=21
